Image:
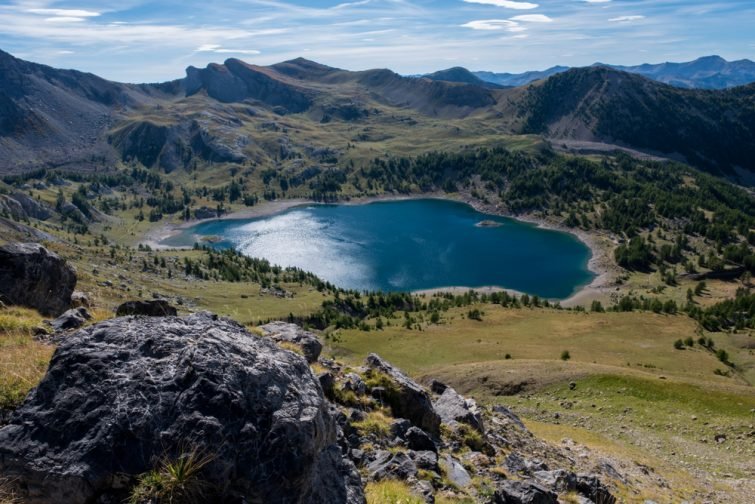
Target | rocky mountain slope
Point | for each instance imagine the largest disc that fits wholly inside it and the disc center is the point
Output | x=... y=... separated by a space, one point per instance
x=709 y=129
x=229 y=114
x=51 y=117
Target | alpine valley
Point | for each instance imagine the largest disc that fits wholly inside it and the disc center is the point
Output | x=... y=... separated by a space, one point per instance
x=302 y=284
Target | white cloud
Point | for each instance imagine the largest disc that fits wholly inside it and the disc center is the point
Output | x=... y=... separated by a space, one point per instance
x=596 y=1
x=493 y=24
x=533 y=18
x=346 y=5
x=70 y=13
x=216 y=48
x=507 y=4
x=626 y=19
x=65 y=19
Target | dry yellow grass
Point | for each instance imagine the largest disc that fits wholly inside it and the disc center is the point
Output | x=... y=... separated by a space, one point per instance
x=23 y=361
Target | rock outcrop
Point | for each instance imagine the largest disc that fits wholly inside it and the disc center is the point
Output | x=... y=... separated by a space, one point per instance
x=150 y=308
x=406 y=398
x=31 y=275
x=121 y=394
x=454 y=408
x=71 y=319
x=521 y=492
x=292 y=333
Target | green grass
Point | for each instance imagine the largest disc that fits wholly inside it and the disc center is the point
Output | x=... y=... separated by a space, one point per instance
x=676 y=422
x=375 y=423
x=626 y=342
x=391 y=492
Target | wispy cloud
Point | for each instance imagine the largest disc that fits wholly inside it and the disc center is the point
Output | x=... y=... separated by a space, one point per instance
x=76 y=13
x=533 y=18
x=215 y=48
x=507 y=4
x=626 y=19
x=493 y=24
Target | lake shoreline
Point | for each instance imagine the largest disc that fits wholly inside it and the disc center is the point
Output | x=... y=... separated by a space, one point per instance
x=601 y=245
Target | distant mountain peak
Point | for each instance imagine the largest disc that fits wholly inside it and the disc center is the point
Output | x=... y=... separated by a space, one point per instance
x=707 y=72
x=713 y=57
x=459 y=75
x=302 y=68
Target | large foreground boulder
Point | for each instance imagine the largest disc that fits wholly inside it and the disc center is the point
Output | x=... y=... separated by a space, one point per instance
x=31 y=275
x=406 y=398
x=124 y=393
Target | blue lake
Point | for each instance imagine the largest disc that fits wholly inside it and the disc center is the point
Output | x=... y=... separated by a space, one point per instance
x=407 y=246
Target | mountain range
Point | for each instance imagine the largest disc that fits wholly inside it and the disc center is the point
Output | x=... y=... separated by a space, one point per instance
x=710 y=72
x=234 y=113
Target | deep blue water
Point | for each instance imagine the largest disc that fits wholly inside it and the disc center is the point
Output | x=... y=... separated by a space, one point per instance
x=408 y=245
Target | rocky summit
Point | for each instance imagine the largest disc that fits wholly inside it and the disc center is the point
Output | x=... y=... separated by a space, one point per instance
x=123 y=394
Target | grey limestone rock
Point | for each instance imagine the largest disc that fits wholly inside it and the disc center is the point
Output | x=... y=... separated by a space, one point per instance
x=123 y=393
x=292 y=333
x=406 y=398
x=31 y=275
x=452 y=407
x=150 y=308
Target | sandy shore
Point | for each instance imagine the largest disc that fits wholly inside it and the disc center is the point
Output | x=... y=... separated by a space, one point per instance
x=601 y=245
x=155 y=237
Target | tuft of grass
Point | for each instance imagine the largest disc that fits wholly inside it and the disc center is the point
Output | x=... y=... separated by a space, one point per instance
x=291 y=347
x=471 y=438
x=174 y=481
x=391 y=492
x=7 y=492
x=23 y=361
x=318 y=368
x=375 y=423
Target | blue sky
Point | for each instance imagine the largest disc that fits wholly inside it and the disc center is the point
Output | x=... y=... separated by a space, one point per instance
x=139 y=41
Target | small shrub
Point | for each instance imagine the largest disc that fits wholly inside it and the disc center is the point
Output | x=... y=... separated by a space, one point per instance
x=508 y=356
x=689 y=341
x=679 y=344
x=723 y=356
x=565 y=355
